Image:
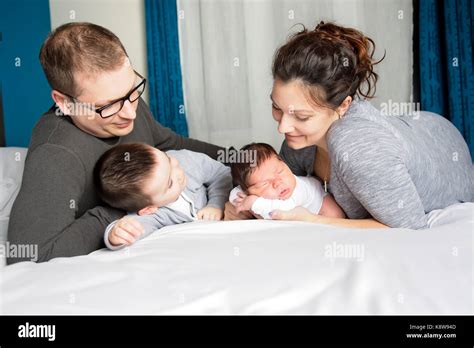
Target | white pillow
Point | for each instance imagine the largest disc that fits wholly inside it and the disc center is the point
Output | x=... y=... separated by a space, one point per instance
x=12 y=162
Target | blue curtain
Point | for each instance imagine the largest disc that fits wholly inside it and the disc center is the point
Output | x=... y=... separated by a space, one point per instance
x=446 y=62
x=164 y=70
x=24 y=89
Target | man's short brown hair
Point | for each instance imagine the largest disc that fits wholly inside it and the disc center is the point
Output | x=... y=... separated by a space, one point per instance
x=79 y=47
x=120 y=174
x=242 y=170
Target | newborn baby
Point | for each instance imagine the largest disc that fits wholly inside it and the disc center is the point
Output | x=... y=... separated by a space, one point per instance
x=268 y=184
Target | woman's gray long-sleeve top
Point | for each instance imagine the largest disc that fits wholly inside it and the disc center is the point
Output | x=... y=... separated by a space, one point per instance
x=395 y=169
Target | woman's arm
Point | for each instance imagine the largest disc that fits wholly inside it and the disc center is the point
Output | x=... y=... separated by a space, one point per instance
x=331 y=209
x=302 y=214
x=351 y=223
x=371 y=162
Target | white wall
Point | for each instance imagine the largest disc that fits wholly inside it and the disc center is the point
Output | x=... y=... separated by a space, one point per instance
x=125 y=18
x=228 y=104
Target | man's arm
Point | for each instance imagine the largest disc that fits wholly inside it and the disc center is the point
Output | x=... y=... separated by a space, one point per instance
x=44 y=212
x=165 y=139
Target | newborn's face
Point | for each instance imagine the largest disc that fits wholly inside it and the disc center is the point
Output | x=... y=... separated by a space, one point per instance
x=272 y=180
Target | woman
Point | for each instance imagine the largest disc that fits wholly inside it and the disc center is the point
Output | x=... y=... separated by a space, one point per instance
x=382 y=170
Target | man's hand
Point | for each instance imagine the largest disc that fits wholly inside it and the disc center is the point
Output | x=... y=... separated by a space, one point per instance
x=126 y=231
x=210 y=213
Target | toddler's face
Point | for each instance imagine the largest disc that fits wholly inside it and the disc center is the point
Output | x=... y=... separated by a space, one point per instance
x=167 y=180
x=272 y=180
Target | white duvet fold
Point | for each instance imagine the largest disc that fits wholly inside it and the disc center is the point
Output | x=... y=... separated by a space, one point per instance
x=260 y=267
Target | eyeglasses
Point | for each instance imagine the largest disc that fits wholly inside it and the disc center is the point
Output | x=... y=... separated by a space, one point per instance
x=113 y=108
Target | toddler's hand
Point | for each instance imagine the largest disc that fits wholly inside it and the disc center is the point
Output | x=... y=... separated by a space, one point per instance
x=126 y=231
x=210 y=213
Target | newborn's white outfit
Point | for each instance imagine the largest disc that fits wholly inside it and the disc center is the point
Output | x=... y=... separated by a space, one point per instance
x=308 y=193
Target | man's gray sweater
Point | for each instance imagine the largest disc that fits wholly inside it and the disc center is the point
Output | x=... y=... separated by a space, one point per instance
x=57 y=207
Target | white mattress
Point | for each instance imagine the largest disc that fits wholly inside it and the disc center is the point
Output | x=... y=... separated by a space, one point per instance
x=260 y=267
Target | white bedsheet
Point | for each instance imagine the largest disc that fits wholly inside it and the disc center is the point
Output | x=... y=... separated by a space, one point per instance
x=263 y=267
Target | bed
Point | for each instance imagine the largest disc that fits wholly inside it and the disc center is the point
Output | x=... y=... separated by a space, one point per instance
x=260 y=267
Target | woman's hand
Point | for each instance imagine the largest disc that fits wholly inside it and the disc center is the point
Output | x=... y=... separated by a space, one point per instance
x=230 y=213
x=296 y=214
x=302 y=214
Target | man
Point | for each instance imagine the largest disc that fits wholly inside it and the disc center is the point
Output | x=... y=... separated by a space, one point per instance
x=97 y=105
